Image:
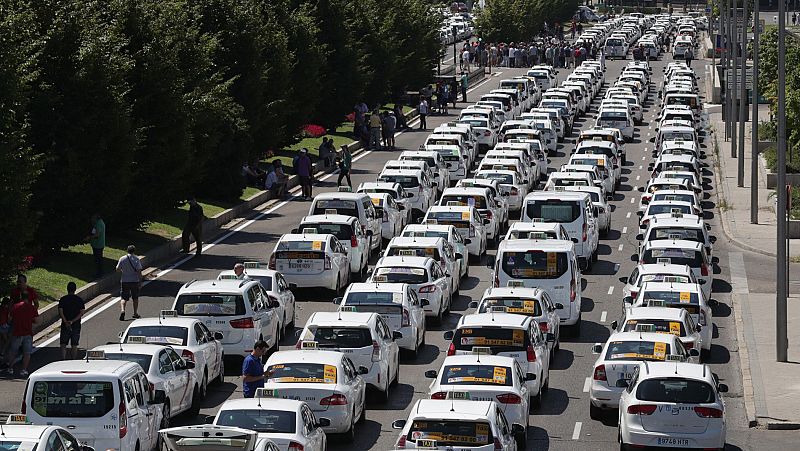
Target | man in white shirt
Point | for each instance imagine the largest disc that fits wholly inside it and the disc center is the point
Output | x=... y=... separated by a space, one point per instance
x=465 y=61
x=130 y=279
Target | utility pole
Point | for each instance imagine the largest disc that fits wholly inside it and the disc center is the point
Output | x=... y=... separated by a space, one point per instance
x=742 y=98
x=754 y=121
x=726 y=53
x=781 y=340
x=734 y=111
x=455 y=57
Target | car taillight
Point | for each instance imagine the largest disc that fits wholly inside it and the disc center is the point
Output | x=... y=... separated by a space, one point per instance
x=585 y=228
x=544 y=327
x=634 y=294
x=642 y=409
x=497 y=444
x=572 y=293
x=703 y=318
x=488 y=215
x=531 y=353
x=328 y=262
x=427 y=289
x=334 y=400
x=376 y=351
x=514 y=191
x=645 y=200
x=401 y=442
x=708 y=412
x=353 y=241
x=439 y=395
x=242 y=323
x=123 y=419
x=645 y=222
x=406 y=318
x=471 y=231
x=509 y=398
x=299 y=344
x=704 y=270
x=294 y=446
x=187 y=355
x=600 y=373
x=272 y=262
x=451 y=350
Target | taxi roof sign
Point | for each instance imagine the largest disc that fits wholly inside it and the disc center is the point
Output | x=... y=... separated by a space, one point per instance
x=252 y=265
x=498 y=309
x=95 y=355
x=431 y=221
x=379 y=279
x=266 y=393
x=308 y=344
x=345 y=189
x=656 y=303
x=169 y=313
x=515 y=283
x=645 y=327
x=310 y=230
x=424 y=443
x=330 y=211
x=454 y=203
x=136 y=339
x=456 y=395
x=676 y=358
x=407 y=252
x=18 y=418
x=345 y=308
x=664 y=261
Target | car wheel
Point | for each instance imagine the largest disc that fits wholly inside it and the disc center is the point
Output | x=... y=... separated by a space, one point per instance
x=439 y=316
x=338 y=290
x=384 y=395
x=350 y=435
x=221 y=376
x=595 y=412
x=194 y=410
x=396 y=379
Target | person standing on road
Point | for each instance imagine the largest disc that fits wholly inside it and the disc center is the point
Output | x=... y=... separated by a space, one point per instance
x=130 y=267
x=423 y=113
x=375 y=130
x=23 y=315
x=390 y=125
x=304 y=173
x=238 y=270
x=97 y=240
x=464 y=86
x=465 y=57
x=252 y=370
x=193 y=227
x=345 y=162
x=70 y=308
x=687 y=54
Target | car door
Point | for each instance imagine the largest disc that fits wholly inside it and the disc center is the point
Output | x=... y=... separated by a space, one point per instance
x=215 y=352
x=504 y=430
x=166 y=371
x=341 y=258
x=416 y=310
x=202 y=347
x=286 y=297
x=257 y=303
x=314 y=434
x=391 y=346
x=183 y=379
x=139 y=416
x=353 y=382
x=542 y=351
x=53 y=443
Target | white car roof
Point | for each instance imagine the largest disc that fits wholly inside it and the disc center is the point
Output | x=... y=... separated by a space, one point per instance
x=401 y=261
x=539 y=245
x=144 y=349
x=78 y=369
x=664 y=313
x=642 y=336
x=305 y=237
x=306 y=355
x=288 y=405
x=665 y=268
x=372 y=287
x=674 y=244
x=345 y=319
x=674 y=370
x=521 y=292
x=505 y=320
x=219 y=286
x=472 y=191
x=340 y=195
x=166 y=321
x=486 y=360
x=400 y=241
x=452 y=409
x=335 y=219
x=25 y=432
x=670 y=286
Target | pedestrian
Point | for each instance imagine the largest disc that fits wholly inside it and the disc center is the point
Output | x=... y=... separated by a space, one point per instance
x=400 y=117
x=305 y=172
x=193 y=227
x=465 y=58
x=390 y=125
x=445 y=98
x=70 y=308
x=794 y=18
x=464 y=86
x=23 y=292
x=238 y=271
x=345 y=162
x=252 y=370
x=422 y=109
x=5 y=326
x=130 y=281
x=427 y=94
x=23 y=316
x=97 y=240
x=687 y=54
x=277 y=180
x=326 y=152
x=603 y=58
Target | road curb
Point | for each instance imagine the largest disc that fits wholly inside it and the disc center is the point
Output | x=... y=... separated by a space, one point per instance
x=744 y=365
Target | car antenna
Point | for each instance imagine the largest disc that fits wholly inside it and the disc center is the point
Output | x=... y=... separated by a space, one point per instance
x=452 y=404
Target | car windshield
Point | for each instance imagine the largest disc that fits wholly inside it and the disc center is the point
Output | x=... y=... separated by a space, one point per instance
x=476 y=375
x=450 y=432
x=613 y=116
x=465 y=200
x=208 y=304
x=675 y=256
x=675 y=233
x=406 y=181
x=672 y=297
x=75 y=399
x=496 y=338
x=159 y=334
x=507 y=179
x=659 y=209
x=637 y=350
x=661 y=326
x=315 y=373
x=341 y=231
x=259 y=420
x=432 y=252
x=534 y=264
x=675 y=390
x=342 y=207
x=475 y=122
x=339 y=337
x=402 y=274
x=554 y=210
x=142 y=359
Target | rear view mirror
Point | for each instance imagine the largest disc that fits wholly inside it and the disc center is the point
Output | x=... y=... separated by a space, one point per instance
x=627 y=300
x=621 y=383
x=639 y=237
x=425 y=302
x=713 y=302
x=722 y=388
x=487 y=221
x=574 y=240
x=431 y=374
x=473 y=304
x=396 y=335
x=652 y=140
x=597 y=348
x=614 y=325
x=559 y=306
x=448 y=335
x=363 y=370
x=467 y=241
x=218 y=336
x=459 y=256
x=694 y=353
x=530 y=377
x=323 y=423
x=398 y=424
x=338 y=300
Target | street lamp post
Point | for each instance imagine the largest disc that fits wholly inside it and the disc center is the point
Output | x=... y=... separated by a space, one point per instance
x=754 y=121
x=781 y=340
x=455 y=41
x=742 y=98
x=733 y=112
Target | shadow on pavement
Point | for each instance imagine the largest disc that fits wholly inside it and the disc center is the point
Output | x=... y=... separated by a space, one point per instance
x=562 y=360
x=554 y=402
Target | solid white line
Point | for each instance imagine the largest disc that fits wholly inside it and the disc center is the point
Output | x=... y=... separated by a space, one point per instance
x=576 y=433
x=611 y=289
x=603 y=316
x=620 y=247
x=627 y=216
x=586 y=384
x=641 y=166
x=624 y=230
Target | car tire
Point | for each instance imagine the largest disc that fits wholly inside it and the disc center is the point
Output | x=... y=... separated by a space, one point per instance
x=194 y=410
x=349 y=436
x=338 y=291
x=595 y=412
x=221 y=376
x=396 y=380
x=439 y=319
x=384 y=395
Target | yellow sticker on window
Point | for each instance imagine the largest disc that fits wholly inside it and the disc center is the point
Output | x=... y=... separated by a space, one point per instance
x=518 y=336
x=499 y=375
x=465 y=215
x=376 y=201
x=660 y=351
x=481 y=429
x=686 y=296
x=330 y=374
x=675 y=328
x=316 y=245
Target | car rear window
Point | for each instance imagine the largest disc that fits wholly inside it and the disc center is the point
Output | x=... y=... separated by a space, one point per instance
x=669 y=233
x=675 y=256
x=342 y=207
x=343 y=232
x=450 y=432
x=672 y=297
x=76 y=399
x=554 y=210
x=426 y=234
x=465 y=200
x=339 y=337
x=168 y=335
x=614 y=42
x=431 y=252
x=401 y=274
x=528 y=307
x=496 y=338
x=259 y=420
x=507 y=179
x=675 y=390
x=638 y=350
x=315 y=373
x=406 y=181
x=143 y=360
x=679 y=197
x=661 y=326
x=668 y=208
x=613 y=115
x=210 y=305
x=534 y=264
x=477 y=375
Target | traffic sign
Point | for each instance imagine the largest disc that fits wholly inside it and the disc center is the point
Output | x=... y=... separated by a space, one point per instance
x=708 y=10
x=748 y=75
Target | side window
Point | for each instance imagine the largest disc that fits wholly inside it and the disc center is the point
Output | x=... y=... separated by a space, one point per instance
x=199 y=334
x=384 y=328
x=634 y=276
x=133 y=386
x=501 y=421
x=281 y=282
x=54 y=443
x=146 y=386
x=205 y=330
x=253 y=296
x=634 y=379
x=130 y=393
x=164 y=363
x=414 y=298
x=70 y=442
x=177 y=362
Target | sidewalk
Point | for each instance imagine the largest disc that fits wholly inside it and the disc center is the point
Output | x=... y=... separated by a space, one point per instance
x=734 y=202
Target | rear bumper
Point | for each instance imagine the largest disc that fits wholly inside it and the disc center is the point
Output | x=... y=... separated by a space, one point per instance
x=604 y=397
x=325 y=279
x=635 y=435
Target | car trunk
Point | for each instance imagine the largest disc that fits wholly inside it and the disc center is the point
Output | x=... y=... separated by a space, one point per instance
x=300 y=262
x=309 y=393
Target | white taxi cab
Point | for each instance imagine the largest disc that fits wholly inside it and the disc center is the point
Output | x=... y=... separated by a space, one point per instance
x=455 y=159
x=426 y=277
x=397 y=304
x=166 y=370
x=458 y=424
x=395 y=190
x=655 y=185
x=435 y=163
x=512 y=184
x=189 y=337
x=289 y=424
x=664 y=320
x=483 y=378
x=679 y=227
x=673 y=405
x=310 y=259
x=659 y=272
x=20 y=435
x=467 y=220
x=619 y=357
x=346 y=202
x=218 y=438
x=482 y=200
x=495 y=190
x=364 y=337
x=393 y=215
x=664 y=208
x=601 y=207
x=325 y=380
x=446 y=232
x=435 y=248
x=537 y=231
x=618 y=118
x=416 y=183
x=277 y=288
x=681 y=252
x=349 y=231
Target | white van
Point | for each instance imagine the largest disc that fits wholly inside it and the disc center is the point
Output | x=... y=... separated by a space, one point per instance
x=547 y=264
x=571 y=209
x=106 y=404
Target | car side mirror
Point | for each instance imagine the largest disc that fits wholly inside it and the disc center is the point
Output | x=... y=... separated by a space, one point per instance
x=641 y=189
x=209 y=420
x=323 y=422
x=467 y=241
x=295 y=230
x=722 y=388
x=597 y=348
x=338 y=300
x=574 y=240
x=363 y=370
x=190 y=365
x=273 y=303
x=159 y=397
x=487 y=221
x=652 y=140
x=708 y=227
x=120 y=335
x=530 y=376
x=713 y=303
x=459 y=256
x=640 y=213
x=369 y=232
x=712 y=239
x=473 y=304
x=431 y=374
x=86 y=448
x=698 y=328
x=434 y=184
x=218 y=336
x=505 y=194
x=639 y=237
x=398 y=424
x=525 y=181
x=407 y=195
x=292 y=286
x=701 y=281
x=627 y=300
x=609 y=197
x=621 y=383
x=518 y=429
x=694 y=353
x=425 y=302
x=396 y=335
x=448 y=335
x=614 y=325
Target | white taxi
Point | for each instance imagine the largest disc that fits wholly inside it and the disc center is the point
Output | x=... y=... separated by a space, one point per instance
x=345 y=202
x=657 y=184
x=602 y=209
x=435 y=248
x=395 y=190
x=277 y=288
x=483 y=378
x=392 y=214
x=458 y=424
x=455 y=159
x=512 y=184
x=495 y=190
x=619 y=118
x=619 y=357
x=288 y=423
x=679 y=227
x=482 y=200
x=20 y=435
x=469 y=223
x=416 y=183
x=189 y=337
x=207 y=436
x=673 y=405
x=325 y=380
x=537 y=231
x=448 y=233
x=364 y=337
x=509 y=335
x=397 y=303
x=310 y=259
x=425 y=276
x=350 y=232
x=681 y=252
x=664 y=208
x=166 y=370
x=663 y=320
x=659 y=272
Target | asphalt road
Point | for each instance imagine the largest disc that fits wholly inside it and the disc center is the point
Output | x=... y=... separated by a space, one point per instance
x=562 y=423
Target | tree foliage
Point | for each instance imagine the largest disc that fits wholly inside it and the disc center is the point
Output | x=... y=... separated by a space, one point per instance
x=768 y=79
x=521 y=20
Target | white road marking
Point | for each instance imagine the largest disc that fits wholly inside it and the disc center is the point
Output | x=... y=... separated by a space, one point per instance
x=603 y=316
x=611 y=289
x=586 y=384
x=638 y=177
x=620 y=247
x=627 y=216
x=576 y=433
x=641 y=166
x=642 y=160
x=624 y=230
x=633 y=200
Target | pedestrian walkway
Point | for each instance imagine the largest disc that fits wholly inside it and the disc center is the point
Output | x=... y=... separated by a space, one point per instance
x=734 y=201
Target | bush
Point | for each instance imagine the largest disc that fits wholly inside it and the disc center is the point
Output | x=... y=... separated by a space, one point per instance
x=792 y=167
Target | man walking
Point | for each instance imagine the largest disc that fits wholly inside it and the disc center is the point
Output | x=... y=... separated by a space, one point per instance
x=193 y=227
x=423 y=113
x=97 y=240
x=304 y=172
x=70 y=308
x=130 y=281
x=390 y=125
x=252 y=370
x=464 y=85
x=22 y=316
x=688 y=56
x=345 y=163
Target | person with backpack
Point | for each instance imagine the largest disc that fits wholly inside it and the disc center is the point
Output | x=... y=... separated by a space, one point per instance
x=345 y=161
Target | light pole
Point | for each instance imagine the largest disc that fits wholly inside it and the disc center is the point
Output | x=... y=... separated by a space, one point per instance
x=727 y=59
x=734 y=67
x=455 y=58
x=742 y=98
x=781 y=340
x=754 y=121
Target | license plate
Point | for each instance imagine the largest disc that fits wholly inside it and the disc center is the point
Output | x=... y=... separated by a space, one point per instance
x=669 y=441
